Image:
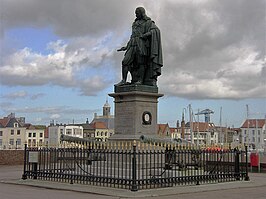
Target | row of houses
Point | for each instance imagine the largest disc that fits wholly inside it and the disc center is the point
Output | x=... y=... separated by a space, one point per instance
x=14 y=132
x=201 y=133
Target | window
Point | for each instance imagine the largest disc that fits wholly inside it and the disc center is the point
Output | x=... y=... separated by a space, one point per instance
x=11 y=141
x=258 y=139
x=253 y=132
x=105 y=133
x=29 y=135
x=68 y=131
x=18 y=132
x=15 y=125
x=34 y=135
x=41 y=134
x=258 y=132
x=1 y=142
x=18 y=141
x=12 y=132
x=1 y=133
x=245 y=132
x=253 y=139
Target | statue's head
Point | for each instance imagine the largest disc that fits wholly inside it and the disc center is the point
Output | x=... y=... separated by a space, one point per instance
x=140 y=12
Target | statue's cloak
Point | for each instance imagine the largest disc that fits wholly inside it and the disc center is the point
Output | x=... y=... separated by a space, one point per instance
x=156 y=57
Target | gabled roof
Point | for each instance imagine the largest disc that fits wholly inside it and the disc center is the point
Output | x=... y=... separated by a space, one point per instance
x=172 y=129
x=162 y=128
x=203 y=126
x=108 y=121
x=35 y=127
x=4 y=122
x=9 y=122
x=253 y=123
x=99 y=125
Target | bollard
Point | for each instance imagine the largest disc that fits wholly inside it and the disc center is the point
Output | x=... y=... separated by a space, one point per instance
x=24 y=175
x=34 y=170
x=246 y=151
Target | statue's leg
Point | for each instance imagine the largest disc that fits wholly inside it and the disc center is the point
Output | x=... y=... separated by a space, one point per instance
x=141 y=72
x=126 y=63
x=141 y=68
x=124 y=73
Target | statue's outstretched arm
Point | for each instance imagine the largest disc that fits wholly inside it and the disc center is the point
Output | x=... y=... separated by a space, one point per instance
x=124 y=48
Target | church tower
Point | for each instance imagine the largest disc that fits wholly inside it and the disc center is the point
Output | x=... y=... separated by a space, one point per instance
x=106 y=109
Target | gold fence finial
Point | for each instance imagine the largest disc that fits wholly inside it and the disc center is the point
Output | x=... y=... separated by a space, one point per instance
x=134 y=143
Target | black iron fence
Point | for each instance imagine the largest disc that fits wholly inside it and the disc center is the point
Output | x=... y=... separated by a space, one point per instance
x=135 y=166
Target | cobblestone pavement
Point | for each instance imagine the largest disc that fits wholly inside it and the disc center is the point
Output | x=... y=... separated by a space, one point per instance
x=11 y=187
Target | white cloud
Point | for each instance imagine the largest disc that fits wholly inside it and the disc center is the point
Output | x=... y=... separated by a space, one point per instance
x=28 y=68
x=212 y=49
x=37 y=96
x=55 y=116
x=15 y=95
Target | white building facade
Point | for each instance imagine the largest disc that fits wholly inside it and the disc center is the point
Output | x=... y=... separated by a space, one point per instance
x=55 y=132
x=12 y=132
x=253 y=133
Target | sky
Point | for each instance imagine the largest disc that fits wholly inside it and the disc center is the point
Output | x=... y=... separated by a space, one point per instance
x=58 y=58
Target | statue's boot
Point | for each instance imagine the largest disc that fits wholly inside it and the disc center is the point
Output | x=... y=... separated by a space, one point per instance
x=124 y=76
x=141 y=72
x=122 y=82
x=139 y=82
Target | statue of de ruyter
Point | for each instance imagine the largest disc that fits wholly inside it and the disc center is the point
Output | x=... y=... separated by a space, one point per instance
x=143 y=57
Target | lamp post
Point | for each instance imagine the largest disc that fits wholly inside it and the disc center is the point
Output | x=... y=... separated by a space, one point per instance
x=264 y=145
x=248 y=125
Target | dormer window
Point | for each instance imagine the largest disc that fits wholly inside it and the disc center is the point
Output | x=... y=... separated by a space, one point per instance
x=15 y=125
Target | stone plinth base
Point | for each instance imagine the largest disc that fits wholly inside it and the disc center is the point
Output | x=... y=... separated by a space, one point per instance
x=135 y=114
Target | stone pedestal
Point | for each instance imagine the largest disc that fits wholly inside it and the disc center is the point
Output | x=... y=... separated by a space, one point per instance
x=135 y=111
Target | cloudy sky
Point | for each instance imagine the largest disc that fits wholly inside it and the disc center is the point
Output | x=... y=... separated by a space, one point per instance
x=59 y=60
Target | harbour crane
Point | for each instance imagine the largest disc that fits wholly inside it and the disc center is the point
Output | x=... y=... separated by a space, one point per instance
x=207 y=113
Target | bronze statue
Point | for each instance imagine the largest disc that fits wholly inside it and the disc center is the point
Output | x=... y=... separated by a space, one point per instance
x=143 y=57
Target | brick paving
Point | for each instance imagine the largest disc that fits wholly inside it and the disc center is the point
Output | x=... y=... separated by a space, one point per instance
x=12 y=187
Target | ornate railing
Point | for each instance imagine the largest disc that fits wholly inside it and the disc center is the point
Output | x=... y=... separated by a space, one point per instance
x=135 y=166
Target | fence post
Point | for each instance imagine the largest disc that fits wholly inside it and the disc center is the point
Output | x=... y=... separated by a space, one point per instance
x=237 y=166
x=246 y=151
x=24 y=175
x=134 y=169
